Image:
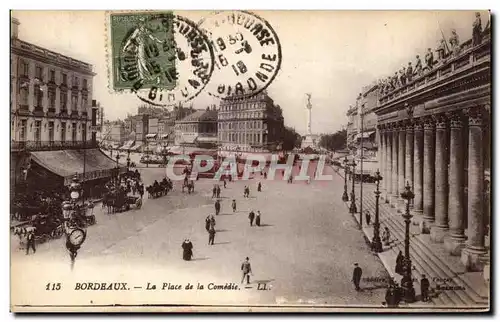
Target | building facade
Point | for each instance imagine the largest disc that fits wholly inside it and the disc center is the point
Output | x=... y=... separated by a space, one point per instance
x=53 y=118
x=253 y=124
x=435 y=134
x=199 y=129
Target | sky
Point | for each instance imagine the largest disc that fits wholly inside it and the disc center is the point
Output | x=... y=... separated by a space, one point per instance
x=330 y=54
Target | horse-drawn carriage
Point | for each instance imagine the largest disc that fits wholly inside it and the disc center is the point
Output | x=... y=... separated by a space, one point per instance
x=118 y=201
x=44 y=227
x=159 y=189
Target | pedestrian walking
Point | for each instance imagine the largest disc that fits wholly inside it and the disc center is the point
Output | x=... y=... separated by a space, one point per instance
x=187 y=250
x=30 y=238
x=265 y=175
x=251 y=216
x=207 y=223
x=246 y=268
x=399 y=263
x=424 y=287
x=259 y=187
x=211 y=236
x=368 y=218
x=234 y=205
x=217 y=207
x=225 y=183
x=386 y=236
x=257 y=219
x=356 y=276
x=214 y=192
x=218 y=191
x=245 y=192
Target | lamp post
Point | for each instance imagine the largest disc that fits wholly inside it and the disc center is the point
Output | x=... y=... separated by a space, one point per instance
x=117 y=167
x=345 y=197
x=376 y=242
x=128 y=159
x=352 y=207
x=72 y=211
x=406 y=281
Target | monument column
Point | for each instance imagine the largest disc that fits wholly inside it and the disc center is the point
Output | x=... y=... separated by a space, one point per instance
x=439 y=231
x=474 y=254
x=429 y=159
x=456 y=206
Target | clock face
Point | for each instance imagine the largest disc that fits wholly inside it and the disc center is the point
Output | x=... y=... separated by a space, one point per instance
x=75 y=194
x=77 y=237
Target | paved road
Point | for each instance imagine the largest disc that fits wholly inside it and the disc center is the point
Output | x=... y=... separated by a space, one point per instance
x=304 y=251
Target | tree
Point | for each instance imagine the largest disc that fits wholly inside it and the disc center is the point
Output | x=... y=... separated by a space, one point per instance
x=290 y=138
x=335 y=141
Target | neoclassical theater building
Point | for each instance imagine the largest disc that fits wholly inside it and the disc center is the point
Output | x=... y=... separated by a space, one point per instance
x=434 y=133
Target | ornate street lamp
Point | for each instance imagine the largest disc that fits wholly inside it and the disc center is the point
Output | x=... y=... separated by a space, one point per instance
x=406 y=281
x=352 y=207
x=376 y=242
x=72 y=211
x=345 y=197
x=117 y=167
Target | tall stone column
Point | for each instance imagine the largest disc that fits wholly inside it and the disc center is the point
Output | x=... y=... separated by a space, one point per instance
x=473 y=255
x=418 y=158
x=455 y=242
x=441 y=227
x=409 y=155
x=401 y=164
x=429 y=159
x=388 y=163
x=381 y=156
x=394 y=181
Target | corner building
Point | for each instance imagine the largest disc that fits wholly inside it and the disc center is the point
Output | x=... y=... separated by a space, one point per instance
x=252 y=124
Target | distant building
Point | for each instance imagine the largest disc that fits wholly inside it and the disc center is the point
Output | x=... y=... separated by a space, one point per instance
x=141 y=128
x=251 y=124
x=199 y=129
x=118 y=133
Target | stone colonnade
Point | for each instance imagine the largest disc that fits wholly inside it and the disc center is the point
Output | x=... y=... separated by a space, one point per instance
x=430 y=153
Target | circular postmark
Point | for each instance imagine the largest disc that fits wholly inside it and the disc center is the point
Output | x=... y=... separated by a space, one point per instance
x=247 y=53
x=165 y=59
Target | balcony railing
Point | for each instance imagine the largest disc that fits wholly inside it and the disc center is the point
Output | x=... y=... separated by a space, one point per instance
x=51 y=145
x=468 y=57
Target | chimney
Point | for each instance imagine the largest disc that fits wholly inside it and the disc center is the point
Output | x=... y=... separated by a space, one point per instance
x=14 y=28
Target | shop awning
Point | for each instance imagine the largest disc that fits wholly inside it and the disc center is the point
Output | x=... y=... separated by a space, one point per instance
x=127 y=145
x=164 y=136
x=364 y=135
x=151 y=136
x=206 y=139
x=136 y=146
x=67 y=163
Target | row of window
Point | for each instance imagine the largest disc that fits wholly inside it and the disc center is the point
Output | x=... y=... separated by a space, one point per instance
x=37 y=130
x=248 y=138
x=203 y=128
x=39 y=74
x=51 y=95
x=242 y=115
x=243 y=106
x=241 y=125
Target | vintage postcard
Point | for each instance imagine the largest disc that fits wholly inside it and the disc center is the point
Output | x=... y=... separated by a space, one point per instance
x=250 y=161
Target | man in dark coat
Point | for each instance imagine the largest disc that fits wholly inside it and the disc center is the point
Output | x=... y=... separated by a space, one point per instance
x=207 y=223
x=424 y=287
x=356 y=276
x=30 y=242
x=218 y=191
x=214 y=191
x=259 y=187
x=217 y=207
x=234 y=205
x=251 y=216
x=211 y=235
x=246 y=268
x=225 y=183
x=368 y=218
x=399 y=263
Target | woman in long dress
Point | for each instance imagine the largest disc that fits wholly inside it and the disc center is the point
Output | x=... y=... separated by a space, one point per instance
x=257 y=218
x=187 y=247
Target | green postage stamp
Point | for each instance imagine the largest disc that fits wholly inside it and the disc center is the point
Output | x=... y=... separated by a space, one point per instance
x=143 y=50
